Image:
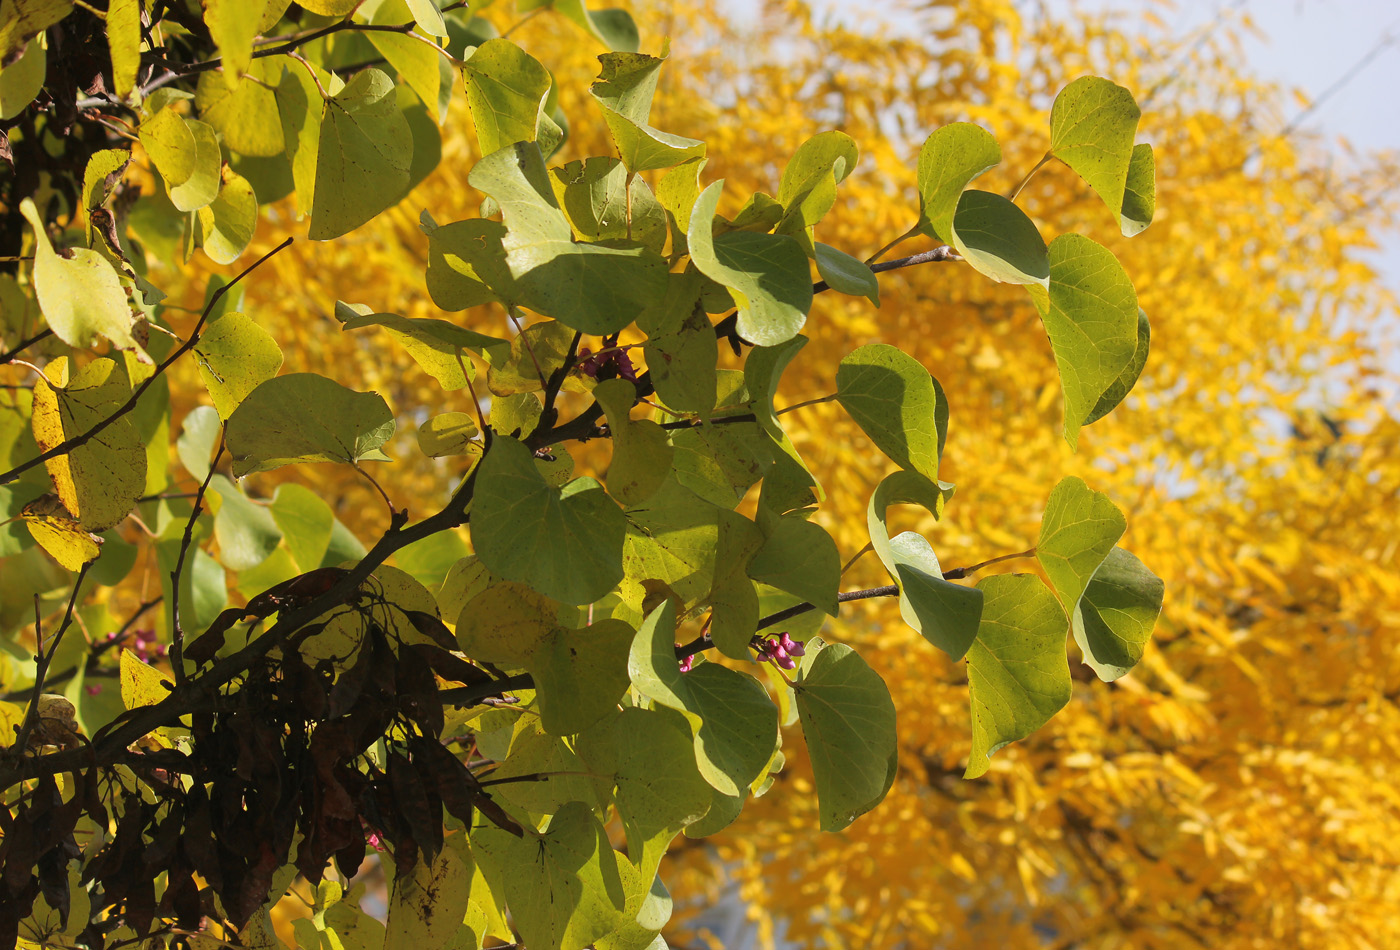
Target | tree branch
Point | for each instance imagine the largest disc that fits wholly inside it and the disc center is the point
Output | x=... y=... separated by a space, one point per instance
x=177 y=632
x=42 y=659
x=69 y=445
x=23 y=345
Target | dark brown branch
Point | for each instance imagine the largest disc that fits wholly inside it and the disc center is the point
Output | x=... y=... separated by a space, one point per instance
x=556 y=382
x=293 y=42
x=23 y=345
x=69 y=445
x=177 y=631
x=42 y=659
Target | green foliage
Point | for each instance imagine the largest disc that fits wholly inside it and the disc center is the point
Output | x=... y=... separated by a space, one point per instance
x=548 y=648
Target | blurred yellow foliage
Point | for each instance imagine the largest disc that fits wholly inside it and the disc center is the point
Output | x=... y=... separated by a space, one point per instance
x=1241 y=788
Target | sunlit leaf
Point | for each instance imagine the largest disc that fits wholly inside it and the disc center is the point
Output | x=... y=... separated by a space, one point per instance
x=506 y=90
x=232 y=24
x=1091 y=314
x=897 y=403
x=244 y=113
x=1140 y=192
x=1092 y=125
x=21 y=80
x=235 y=356
x=767 y=273
x=591 y=288
x=624 y=89
x=141 y=685
x=1077 y=532
x=202 y=185
x=1017 y=672
x=561 y=885
x=362 y=158
x=100 y=480
x=304 y=417
x=80 y=294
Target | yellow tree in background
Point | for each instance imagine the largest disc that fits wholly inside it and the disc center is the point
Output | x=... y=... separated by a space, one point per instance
x=1239 y=788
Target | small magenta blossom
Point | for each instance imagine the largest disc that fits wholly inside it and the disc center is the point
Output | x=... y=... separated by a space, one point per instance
x=793 y=647
x=688 y=663
x=780 y=651
x=590 y=363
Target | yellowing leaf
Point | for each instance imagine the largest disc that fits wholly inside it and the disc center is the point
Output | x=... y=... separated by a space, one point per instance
x=22 y=19
x=141 y=685
x=233 y=24
x=363 y=157
x=100 y=480
x=226 y=225
x=448 y=433
x=60 y=536
x=80 y=295
x=235 y=356
x=124 y=40
x=22 y=79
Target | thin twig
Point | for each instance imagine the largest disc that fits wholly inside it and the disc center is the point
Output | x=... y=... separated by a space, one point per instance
x=42 y=659
x=796 y=610
x=809 y=402
x=888 y=247
x=295 y=41
x=958 y=572
x=177 y=634
x=1029 y=175
x=23 y=345
x=379 y=488
x=856 y=557
x=69 y=445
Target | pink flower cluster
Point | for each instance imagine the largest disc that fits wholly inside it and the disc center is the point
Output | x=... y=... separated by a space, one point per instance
x=780 y=650
x=141 y=642
x=589 y=363
x=688 y=663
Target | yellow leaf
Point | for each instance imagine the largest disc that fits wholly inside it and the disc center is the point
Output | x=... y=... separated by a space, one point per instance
x=11 y=715
x=142 y=685
x=124 y=39
x=330 y=7
x=60 y=536
x=99 y=480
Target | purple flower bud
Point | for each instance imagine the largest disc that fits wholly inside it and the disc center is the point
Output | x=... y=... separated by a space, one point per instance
x=625 y=369
x=793 y=647
x=688 y=663
x=785 y=661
